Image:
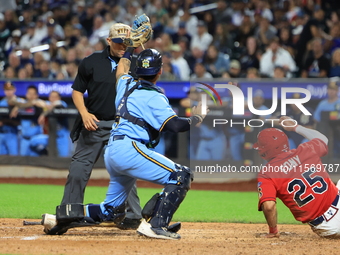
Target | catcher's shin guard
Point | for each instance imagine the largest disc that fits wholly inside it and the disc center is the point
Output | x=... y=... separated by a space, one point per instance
x=170 y=199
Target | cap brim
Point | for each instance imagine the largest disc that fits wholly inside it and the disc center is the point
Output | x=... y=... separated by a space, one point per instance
x=117 y=40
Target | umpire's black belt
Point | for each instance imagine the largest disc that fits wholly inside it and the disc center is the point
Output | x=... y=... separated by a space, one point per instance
x=320 y=219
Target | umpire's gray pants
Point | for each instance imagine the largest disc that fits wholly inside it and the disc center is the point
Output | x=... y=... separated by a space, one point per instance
x=89 y=147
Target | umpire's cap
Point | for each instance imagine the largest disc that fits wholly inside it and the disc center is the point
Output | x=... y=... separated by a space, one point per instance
x=149 y=62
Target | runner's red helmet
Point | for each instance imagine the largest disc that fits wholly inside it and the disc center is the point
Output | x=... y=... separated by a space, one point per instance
x=271 y=142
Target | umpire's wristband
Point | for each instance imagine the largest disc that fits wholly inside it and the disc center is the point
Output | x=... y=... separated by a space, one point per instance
x=128 y=53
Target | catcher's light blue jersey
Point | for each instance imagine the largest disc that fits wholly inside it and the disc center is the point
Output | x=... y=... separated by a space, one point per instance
x=155 y=110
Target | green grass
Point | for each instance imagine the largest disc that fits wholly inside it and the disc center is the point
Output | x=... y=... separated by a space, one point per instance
x=30 y=201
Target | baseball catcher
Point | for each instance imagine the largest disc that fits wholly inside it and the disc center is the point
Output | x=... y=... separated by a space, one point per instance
x=299 y=178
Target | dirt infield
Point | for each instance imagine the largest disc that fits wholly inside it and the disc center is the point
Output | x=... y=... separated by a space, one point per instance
x=197 y=238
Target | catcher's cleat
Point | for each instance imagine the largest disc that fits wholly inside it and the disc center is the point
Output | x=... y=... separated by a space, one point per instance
x=146 y=229
x=48 y=221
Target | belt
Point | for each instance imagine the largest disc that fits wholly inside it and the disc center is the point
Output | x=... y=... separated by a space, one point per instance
x=320 y=219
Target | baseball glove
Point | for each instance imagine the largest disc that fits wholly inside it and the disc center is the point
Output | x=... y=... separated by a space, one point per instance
x=141 y=32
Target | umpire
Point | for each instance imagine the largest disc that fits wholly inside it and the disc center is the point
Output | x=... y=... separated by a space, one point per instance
x=97 y=76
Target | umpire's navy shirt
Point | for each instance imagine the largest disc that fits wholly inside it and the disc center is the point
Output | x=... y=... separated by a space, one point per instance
x=97 y=75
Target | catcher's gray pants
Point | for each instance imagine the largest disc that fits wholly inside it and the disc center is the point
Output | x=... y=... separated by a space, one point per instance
x=89 y=147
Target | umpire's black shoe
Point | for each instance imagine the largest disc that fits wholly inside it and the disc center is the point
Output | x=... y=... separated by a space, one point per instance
x=128 y=223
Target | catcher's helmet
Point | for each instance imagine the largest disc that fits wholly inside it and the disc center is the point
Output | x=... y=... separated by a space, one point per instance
x=149 y=62
x=271 y=142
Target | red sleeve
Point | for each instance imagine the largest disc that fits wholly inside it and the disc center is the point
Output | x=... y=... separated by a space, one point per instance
x=316 y=146
x=266 y=189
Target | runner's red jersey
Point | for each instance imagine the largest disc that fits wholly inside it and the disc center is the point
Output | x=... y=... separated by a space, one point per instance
x=300 y=180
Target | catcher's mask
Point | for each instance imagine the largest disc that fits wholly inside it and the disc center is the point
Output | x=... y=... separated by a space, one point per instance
x=271 y=142
x=149 y=62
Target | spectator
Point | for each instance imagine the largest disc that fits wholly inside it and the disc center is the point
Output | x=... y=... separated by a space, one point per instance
x=331 y=103
x=333 y=41
x=167 y=73
x=182 y=32
x=133 y=10
x=32 y=142
x=265 y=32
x=10 y=73
x=12 y=42
x=276 y=56
x=28 y=40
x=235 y=69
x=279 y=72
x=335 y=64
x=252 y=73
x=4 y=31
x=286 y=40
x=216 y=62
x=191 y=22
x=201 y=73
x=44 y=71
x=245 y=30
x=262 y=7
x=22 y=74
x=250 y=57
x=63 y=141
x=166 y=42
x=167 y=59
x=86 y=19
x=223 y=39
x=11 y=20
x=26 y=57
x=51 y=34
x=180 y=62
x=40 y=30
x=9 y=126
x=317 y=65
x=203 y=39
x=221 y=12
x=312 y=29
x=72 y=70
x=209 y=19
x=187 y=55
x=14 y=61
x=99 y=30
x=29 y=69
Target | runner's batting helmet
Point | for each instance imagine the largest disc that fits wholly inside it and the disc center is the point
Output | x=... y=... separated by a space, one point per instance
x=271 y=142
x=149 y=62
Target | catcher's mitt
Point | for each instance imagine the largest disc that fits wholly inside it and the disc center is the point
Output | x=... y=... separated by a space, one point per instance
x=141 y=32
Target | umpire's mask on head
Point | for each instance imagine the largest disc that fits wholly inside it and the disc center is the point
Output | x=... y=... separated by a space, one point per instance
x=149 y=62
x=271 y=142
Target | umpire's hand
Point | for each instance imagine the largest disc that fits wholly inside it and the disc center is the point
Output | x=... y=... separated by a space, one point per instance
x=89 y=121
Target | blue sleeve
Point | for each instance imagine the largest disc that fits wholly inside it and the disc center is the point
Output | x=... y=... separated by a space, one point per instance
x=160 y=111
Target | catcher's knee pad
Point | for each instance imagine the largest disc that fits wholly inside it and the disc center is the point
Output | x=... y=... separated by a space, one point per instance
x=69 y=212
x=166 y=204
